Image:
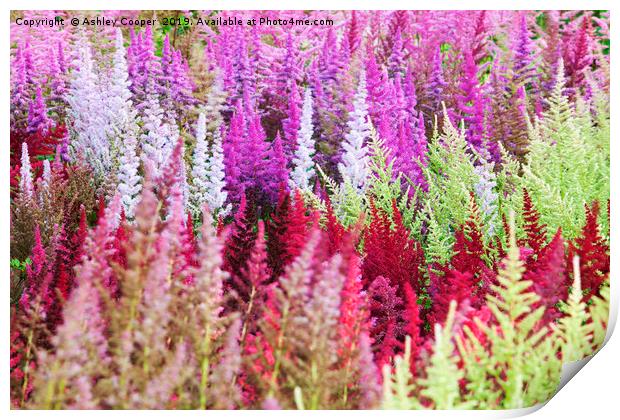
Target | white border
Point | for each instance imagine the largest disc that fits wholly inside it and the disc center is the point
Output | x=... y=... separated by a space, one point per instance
x=593 y=393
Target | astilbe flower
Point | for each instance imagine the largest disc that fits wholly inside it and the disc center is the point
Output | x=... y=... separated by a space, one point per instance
x=80 y=346
x=471 y=103
x=200 y=164
x=354 y=165
x=26 y=187
x=37 y=114
x=205 y=298
x=390 y=251
x=157 y=137
x=479 y=37
x=593 y=252
x=354 y=350
x=453 y=285
x=240 y=241
x=466 y=278
x=20 y=85
x=376 y=81
x=38 y=280
x=523 y=54
x=353 y=32
x=183 y=86
x=290 y=71
x=226 y=396
x=369 y=388
x=144 y=67
x=57 y=77
x=233 y=137
x=255 y=171
x=46 y=175
x=87 y=115
x=216 y=194
x=485 y=190
x=535 y=231
x=302 y=163
x=243 y=75
x=245 y=153
x=548 y=275
x=250 y=285
x=123 y=127
x=285 y=302
x=173 y=188
x=512 y=130
x=393 y=315
x=578 y=55
x=215 y=104
x=395 y=60
x=291 y=124
x=277 y=176
x=391 y=273
x=336 y=232
x=301 y=329
x=287 y=231
x=51 y=278
x=176 y=83
x=470 y=253
x=436 y=83
x=553 y=51
x=410 y=157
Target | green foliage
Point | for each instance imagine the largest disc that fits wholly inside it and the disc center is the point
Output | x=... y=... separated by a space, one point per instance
x=348 y=204
x=582 y=331
x=450 y=175
x=382 y=186
x=509 y=187
x=568 y=162
x=514 y=340
x=573 y=332
x=20 y=265
x=398 y=390
x=599 y=314
x=441 y=384
x=440 y=387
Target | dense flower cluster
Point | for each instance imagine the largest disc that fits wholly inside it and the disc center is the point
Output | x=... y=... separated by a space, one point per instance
x=402 y=210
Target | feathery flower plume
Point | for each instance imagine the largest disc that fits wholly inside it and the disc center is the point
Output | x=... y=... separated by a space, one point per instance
x=355 y=157
x=302 y=161
x=26 y=187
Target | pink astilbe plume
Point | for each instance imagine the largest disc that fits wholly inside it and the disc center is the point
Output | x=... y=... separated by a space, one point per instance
x=250 y=285
x=291 y=124
x=548 y=275
x=436 y=82
x=287 y=231
x=578 y=55
x=240 y=242
x=471 y=103
x=386 y=320
x=80 y=343
x=225 y=394
x=593 y=252
x=38 y=119
x=390 y=252
x=523 y=53
x=535 y=231
x=276 y=173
